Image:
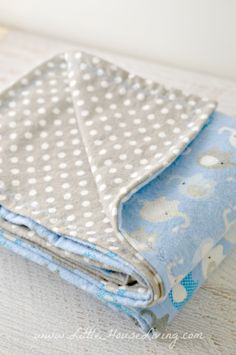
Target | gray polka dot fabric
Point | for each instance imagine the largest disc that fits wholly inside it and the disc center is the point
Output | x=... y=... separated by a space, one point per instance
x=79 y=135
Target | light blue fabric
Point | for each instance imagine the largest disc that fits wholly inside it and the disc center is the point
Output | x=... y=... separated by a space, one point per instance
x=196 y=199
x=183 y=223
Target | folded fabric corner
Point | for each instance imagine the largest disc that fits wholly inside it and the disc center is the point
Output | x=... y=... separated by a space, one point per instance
x=125 y=188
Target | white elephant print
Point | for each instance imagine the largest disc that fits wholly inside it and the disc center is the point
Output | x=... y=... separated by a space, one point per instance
x=209 y=256
x=204 y=248
x=174 y=279
x=196 y=186
x=230 y=226
x=179 y=293
x=143 y=240
x=163 y=210
x=232 y=138
x=212 y=260
x=215 y=159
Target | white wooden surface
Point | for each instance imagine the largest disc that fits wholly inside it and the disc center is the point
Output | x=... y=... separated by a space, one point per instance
x=198 y=35
x=35 y=303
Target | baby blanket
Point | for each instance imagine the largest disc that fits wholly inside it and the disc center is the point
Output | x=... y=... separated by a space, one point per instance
x=125 y=188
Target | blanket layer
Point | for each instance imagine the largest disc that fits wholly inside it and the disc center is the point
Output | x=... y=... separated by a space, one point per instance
x=101 y=183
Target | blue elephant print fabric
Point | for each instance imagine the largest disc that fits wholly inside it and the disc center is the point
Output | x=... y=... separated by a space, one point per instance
x=184 y=220
x=125 y=188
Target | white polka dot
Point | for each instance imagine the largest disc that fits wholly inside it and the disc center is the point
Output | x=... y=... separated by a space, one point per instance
x=85 y=203
x=102 y=187
x=140 y=96
x=93 y=132
x=129 y=166
x=13 y=136
x=146 y=107
x=41 y=110
x=104 y=84
x=170 y=121
x=138 y=151
x=89 y=224
x=13 y=148
x=102 y=152
x=122 y=156
x=84 y=192
x=118 y=180
x=32 y=192
x=164 y=110
x=83 y=183
x=84 y=113
x=107 y=128
x=68 y=207
x=112 y=170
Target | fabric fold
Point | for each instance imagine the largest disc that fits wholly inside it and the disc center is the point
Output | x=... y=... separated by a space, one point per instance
x=107 y=178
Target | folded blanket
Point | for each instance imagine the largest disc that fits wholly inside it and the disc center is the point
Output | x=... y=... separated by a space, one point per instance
x=125 y=188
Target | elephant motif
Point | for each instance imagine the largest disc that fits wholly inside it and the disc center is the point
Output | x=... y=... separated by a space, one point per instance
x=230 y=226
x=232 y=138
x=203 y=249
x=209 y=256
x=179 y=293
x=196 y=186
x=174 y=279
x=212 y=259
x=163 y=210
x=183 y=291
x=143 y=240
x=215 y=159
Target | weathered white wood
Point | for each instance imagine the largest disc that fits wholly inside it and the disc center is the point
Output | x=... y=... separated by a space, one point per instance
x=34 y=301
